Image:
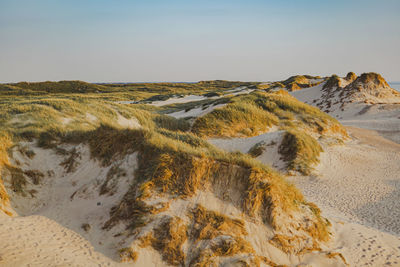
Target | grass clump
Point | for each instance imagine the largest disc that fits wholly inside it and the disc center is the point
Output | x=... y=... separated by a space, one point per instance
x=210 y=224
x=35 y=176
x=113 y=174
x=168 y=238
x=128 y=255
x=172 y=124
x=300 y=151
x=257 y=149
x=17 y=180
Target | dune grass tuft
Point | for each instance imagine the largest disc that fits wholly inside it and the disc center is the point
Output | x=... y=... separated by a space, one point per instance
x=300 y=151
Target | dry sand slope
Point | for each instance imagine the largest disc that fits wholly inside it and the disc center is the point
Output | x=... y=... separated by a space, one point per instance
x=360 y=183
x=39 y=241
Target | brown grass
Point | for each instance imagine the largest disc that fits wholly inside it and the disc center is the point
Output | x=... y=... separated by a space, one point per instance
x=255 y=113
x=337 y=254
x=17 y=180
x=71 y=162
x=259 y=148
x=210 y=224
x=35 y=176
x=167 y=238
x=224 y=246
x=113 y=174
x=300 y=151
x=5 y=144
x=128 y=255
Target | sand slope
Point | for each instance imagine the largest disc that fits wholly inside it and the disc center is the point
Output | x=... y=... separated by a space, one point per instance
x=39 y=241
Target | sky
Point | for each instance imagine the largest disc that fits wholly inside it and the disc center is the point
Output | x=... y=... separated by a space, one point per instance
x=177 y=40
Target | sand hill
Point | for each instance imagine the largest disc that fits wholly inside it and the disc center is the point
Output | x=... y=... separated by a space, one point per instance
x=366 y=101
x=337 y=94
x=133 y=178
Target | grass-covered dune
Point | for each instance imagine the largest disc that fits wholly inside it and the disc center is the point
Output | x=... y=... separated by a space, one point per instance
x=252 y=114
x=175 y=162
x=118 y=91
x=294 y=83
x=256 y=113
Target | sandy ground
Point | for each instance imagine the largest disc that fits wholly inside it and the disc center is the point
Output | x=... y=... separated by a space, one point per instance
x=364 y=246
x=358 y=182
x=39 y=241
x=195 y=112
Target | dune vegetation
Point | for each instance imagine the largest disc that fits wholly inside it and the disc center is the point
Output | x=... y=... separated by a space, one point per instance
x=294 y=83
x=256 y=113
x=252 y=114
x=175 y=161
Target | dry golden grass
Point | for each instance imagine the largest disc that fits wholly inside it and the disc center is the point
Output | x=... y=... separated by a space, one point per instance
x=168 y=238
x=300 y=151
x=224 y=246
x=255 y=113
x=210 y=224
x=337 y=254
x=235 y=119
x=5 y=144
x=128 y=255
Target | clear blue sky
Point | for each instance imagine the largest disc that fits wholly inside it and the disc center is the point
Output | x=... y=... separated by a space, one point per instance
x=150 y=40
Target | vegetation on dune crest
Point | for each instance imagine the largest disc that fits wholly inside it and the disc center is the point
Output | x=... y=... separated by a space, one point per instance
x=252 y=114
x=236 y=119
x=300 y=150
x=351 y=76
x=372 y=77
x=255 y=113
x=294 y=83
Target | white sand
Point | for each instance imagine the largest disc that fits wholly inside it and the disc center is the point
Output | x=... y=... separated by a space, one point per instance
x=363 y=246
x=178 y=100
x=39 y=241
x=270 y=156
x=195 y=112
x=359 y=182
